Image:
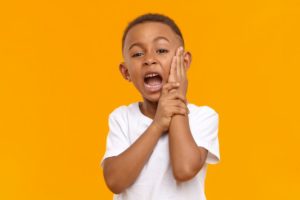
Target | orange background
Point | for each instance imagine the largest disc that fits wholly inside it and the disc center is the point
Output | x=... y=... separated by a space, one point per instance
x=59 y=80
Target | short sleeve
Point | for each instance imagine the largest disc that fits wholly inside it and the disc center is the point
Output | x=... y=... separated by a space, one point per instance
x=116 y=141
x=204 y=127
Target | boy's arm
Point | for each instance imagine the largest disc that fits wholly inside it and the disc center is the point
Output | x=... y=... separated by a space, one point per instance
x=121 y=171
x=186 y=157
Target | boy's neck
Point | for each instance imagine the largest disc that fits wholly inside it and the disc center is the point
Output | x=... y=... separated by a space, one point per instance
x=148 y=108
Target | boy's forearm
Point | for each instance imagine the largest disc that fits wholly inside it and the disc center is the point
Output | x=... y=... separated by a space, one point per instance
x=121 y=171
x=184 y=152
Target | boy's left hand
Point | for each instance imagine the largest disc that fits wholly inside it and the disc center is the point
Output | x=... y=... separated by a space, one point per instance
x=178 y=71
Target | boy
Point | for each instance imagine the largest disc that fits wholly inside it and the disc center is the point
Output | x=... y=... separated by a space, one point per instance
x=159 y=148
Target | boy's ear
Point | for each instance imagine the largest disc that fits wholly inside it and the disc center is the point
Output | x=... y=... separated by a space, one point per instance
x=187 y=59
x=124 y=71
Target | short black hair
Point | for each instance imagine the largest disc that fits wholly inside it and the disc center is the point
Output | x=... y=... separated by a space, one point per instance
x=153 y=17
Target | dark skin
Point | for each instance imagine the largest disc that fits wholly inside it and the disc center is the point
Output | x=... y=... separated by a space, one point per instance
x=153 y=45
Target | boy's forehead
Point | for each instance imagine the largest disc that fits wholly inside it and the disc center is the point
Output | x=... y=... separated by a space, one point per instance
x=149 y=31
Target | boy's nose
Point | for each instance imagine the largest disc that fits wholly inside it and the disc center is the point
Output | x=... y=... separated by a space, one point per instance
x=149 y=60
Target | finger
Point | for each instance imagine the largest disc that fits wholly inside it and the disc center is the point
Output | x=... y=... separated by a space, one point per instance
x=178 y=103
x=179 y=67
x=174 y=90
x=178 y=63
x=176 y=95
x=184 y=106
x=175 y=102
x=182 y=68
x=172 y=70
x=181 y=105
x=178 y=111
x=169 y=86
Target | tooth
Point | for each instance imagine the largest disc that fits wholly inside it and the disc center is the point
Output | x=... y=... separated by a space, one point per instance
x=151 y=75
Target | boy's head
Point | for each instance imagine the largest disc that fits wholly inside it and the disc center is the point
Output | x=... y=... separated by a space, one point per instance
x=153 y=18
x=148 y=45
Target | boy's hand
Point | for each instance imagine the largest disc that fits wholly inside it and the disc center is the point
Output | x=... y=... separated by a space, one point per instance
x=169 y=104
x=178 y=71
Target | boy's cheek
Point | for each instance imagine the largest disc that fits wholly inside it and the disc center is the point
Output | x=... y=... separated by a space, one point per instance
x=168 y=76
x=172 y=54
x=170 y=58
x=168 y=67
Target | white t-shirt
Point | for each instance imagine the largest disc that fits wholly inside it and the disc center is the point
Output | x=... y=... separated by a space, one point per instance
x=156 y=180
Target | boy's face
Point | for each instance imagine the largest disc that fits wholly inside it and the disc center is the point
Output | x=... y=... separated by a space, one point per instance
x=148 y=51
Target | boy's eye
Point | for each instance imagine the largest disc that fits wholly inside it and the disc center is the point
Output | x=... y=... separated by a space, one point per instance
x=137 y=54
x=159 y=51
x=162 y=51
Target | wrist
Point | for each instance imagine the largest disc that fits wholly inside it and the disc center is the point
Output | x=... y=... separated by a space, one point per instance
x=157 y=127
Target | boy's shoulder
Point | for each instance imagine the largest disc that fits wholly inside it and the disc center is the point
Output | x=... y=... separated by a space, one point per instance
x=122 y=110
x=197 y=109
x=201 y=113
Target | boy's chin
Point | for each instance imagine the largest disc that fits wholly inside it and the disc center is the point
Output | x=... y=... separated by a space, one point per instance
x=152 y=98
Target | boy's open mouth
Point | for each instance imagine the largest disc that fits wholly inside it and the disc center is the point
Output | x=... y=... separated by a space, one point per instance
x=153 y=82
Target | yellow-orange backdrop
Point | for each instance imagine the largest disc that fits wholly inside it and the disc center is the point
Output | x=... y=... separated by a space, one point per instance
x=59 y=80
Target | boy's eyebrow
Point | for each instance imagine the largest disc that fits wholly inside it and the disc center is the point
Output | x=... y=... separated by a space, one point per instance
x=154 y=40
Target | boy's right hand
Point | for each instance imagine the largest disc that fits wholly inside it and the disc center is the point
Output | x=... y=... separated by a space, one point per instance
x=169 y=104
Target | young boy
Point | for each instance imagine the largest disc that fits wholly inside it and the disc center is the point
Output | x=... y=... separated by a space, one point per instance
x=158 y=149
